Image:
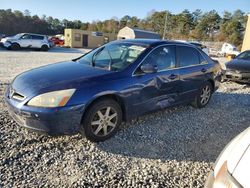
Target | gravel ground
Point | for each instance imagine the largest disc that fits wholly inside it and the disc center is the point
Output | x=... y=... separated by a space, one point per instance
x=171 y=148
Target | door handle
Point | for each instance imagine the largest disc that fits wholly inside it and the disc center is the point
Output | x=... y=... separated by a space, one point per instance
x=203 y=70
x=172 y=76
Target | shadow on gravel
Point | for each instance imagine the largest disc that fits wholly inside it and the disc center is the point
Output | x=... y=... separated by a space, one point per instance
x=184 y=133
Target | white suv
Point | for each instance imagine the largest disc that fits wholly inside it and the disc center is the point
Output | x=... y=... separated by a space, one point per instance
x=26 y=40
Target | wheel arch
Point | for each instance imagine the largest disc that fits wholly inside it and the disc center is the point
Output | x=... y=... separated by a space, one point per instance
x=16 y=43
x=114 y=97
x=44 y=44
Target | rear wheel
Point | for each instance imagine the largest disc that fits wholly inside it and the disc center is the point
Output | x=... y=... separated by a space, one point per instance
x=15 y=46
x=102 y=120
x=44 y=48
x=203 y=96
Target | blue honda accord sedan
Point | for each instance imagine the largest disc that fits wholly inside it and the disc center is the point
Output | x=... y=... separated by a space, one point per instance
x=116 y=82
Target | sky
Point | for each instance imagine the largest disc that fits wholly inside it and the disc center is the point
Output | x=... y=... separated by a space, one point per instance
x=87 y=11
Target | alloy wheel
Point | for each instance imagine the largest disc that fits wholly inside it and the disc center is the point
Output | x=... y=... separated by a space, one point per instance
x=104 y=121
x=205 y=95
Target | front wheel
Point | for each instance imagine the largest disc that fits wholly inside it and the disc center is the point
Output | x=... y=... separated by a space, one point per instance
x=102 y=120
x=15 y=46
x=204 y=96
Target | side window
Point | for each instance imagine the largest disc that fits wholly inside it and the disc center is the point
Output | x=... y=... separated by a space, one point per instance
x=202 y=59
x=187 y=56
x=26 y=36
x=36 y=37
x=162 y=57
x=102 y=59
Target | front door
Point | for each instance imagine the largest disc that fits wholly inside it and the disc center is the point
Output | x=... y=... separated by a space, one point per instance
x=25 y=41
x=85 y=40
x=153 y=91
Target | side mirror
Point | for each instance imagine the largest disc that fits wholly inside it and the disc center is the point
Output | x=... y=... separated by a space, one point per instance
x=149 y=68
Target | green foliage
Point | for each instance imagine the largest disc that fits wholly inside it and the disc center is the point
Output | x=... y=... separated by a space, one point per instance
x=232 y=27
x=186 y=25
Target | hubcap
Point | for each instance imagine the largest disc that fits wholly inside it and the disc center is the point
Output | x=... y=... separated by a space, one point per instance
x=104 y=121
x=205 y=95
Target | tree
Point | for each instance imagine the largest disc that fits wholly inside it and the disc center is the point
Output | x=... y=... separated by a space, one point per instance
x=134 y=22
x=26 y=13
x=209 y=24
x=124 y=21
x=185 y=25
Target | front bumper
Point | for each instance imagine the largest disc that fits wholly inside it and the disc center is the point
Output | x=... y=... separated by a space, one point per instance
x=53 y=121
x=237 y=76
x=6 y=44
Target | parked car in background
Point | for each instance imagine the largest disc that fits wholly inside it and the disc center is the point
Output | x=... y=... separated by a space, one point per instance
x=238 y=69
x=57 y=41
x=228 y=50
x=26 y=40
x=232 y=167
x=213 y=52
x=51 y=43
x=116 y=82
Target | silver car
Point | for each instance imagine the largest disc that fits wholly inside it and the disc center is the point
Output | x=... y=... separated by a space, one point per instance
x=26 y=40
x=232 y=166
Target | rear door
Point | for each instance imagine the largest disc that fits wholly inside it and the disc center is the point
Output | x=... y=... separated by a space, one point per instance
x=194 y=71
x=153 y=91
x=37 y=41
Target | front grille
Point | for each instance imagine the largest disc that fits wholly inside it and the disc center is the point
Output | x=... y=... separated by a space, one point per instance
x=15 y=95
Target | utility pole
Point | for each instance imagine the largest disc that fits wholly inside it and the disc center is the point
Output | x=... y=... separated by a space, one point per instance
x=165 y=26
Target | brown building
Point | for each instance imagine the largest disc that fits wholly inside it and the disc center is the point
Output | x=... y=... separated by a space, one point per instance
x=246 y=41
x=76 y=38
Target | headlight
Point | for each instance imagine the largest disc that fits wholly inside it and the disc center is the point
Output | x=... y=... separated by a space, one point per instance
x=224 y=180
x=52 y=99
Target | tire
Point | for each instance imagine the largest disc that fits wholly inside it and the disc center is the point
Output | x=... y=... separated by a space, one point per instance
x=44 y=48
x=15 y=46
x=102 y=120
x=204 y=96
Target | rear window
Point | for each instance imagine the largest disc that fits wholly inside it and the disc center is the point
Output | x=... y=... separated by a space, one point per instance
x=202 y=59
x=37 y=37
x=187 y=56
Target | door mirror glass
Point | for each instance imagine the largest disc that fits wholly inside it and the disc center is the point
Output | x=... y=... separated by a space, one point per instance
x=149 y=68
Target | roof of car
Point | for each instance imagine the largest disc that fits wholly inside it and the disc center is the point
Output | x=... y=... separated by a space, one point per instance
x=32 y=34
x=152 y=42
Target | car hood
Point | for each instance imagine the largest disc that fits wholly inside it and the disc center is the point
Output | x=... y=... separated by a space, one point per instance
x=57 y=76
x=8 y=39
x=239 y=64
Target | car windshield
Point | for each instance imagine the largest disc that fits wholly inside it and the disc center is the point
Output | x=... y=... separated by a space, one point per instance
x=244 y=56
x=17 y=36
x=113 y=56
